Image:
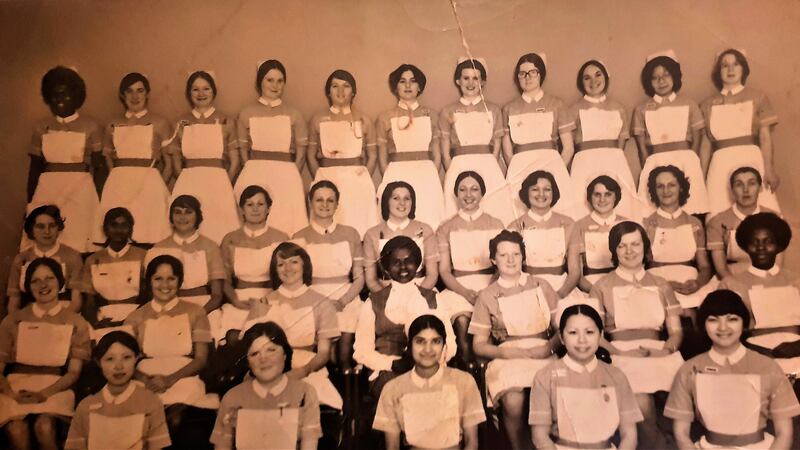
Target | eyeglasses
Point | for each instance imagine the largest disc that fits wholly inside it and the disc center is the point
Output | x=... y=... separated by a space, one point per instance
x=530 y=73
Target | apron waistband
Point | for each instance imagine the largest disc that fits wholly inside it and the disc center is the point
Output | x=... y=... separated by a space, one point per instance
x=544 y=145
x=339 y=162
x=593 y=445
x=603 y=143
x=410 y=156
x=36 y=370
x=472 y=150
x=639 y=333
x=195 y=291
x=132 y=162
x=741 y=140
x=542 y=335
x=689 y=263
x=731 y=440
x=271 y=155
x=668 y=146
x=134 y=300
x=242 y=284
x=787 y=329
x=66 y=167
x=592 y=271
x=204 y=162
x=330 y=280
x=557 y=270
x=463 y=273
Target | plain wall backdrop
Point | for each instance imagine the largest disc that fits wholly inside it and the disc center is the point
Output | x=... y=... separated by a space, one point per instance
x=166 y=40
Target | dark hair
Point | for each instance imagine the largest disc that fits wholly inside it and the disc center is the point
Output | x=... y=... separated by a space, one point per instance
x=264 y=69
x=683 y=183
x=764 y=221
x=396 y=74
x=275 y=334
x=507 y=236
x=531 y=180
x=115 y=213
x=599 y=65
x=387 y=195
x=194 y=76
x=423 y=322
x=112 y=337
x=287 y=250
x=740 y=58
x=128 y=81
x=322 y=184
x=534 y=59
x=64 y=76
x=582 y=309
x=397 y=243
x=252 y=191
x=188 y=202
x=154 y=264
x=719 y=303
x=621 y=229
x=742 y=170
x=468 y=64
x=51 y=264
x=670 y=65
x=469 y=174
x=343 y=75
x=609 y=183
x=50 y=210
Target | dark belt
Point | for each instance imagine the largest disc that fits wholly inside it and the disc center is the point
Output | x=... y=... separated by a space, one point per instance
x=36 y=370
x=604 y=143
x=339 y=162
x=640 y=333
x=241 y=284
x=271 y=156
x=132 y=162
x=689 y=263
x=738 y=440
x=463 y=273
x=595 y=445
x=669 y=146
x=741 y=140
x=195 y=291
x=557 y=270
x=125 y=301
x=592 y=271
x=544 y=145
x=204 y=162
x=66 y=167
x=472 y=150
x=410 y=156
x=795 y=329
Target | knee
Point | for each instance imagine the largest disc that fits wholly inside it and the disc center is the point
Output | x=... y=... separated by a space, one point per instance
x=17 y=431
x=44 y=428
x=461 y=324
x=513 y=404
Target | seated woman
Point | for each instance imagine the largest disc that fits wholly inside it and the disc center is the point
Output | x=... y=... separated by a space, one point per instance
x=579 y=401
x=271 y=409
x=124 y=414
x=730 y=390
x=43 y=226
x=433 y=405
x=46 y=345
x=513 y=326
x=398 y=209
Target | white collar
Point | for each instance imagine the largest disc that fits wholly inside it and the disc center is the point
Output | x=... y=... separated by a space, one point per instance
x=322 y=230
x=255 y=233
x=733 y=358
x=182 y=241
x=670 y=98
x=596 y=101
x=403 y=105
x=774 y=270
x=738 y=212
x=345 y=110
x=39 y=312
x=470 y=217
x=47 y=254
x=608 y=221
x=138 y=115
x=732 y=91
x=537 y=97
x=630 y=277
x=118 y=399
x=397 y=227
x=521 y=281
x=427 y=382
x=275 y=390
x=678 y=212
x=286 y=292
x=273 y=103
x=68 y=119
x=472 y=102
x=157 y=307
x=120 y=253
x=197 y=114
x=538 y=218
x=578 y=367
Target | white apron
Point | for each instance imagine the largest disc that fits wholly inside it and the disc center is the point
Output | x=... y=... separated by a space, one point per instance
x=586 y=415
x=776 y=307
x=431 y=419
x=125 y=432
x=258 y=429
x=250 y=265
x=546 y=248
x=598 y=256
x=469 y=251
x=335 y=261
x=115 y=281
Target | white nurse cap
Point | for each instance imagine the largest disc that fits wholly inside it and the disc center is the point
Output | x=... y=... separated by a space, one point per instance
x=480 y=59
x=669 y=53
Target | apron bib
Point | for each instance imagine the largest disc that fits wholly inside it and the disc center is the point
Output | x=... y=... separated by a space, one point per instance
x=431 y=419
x=341 y=139
x=637 y=307
x=668 y=124
x=545 y=248
x=167 y=336
x=731 y=121
x=415 y=137
x=599 y=125
x=43 y=344
x=531 y=127
x=729 y=403
x=598 y=256
x=201 y=141
x=587 y=415
x=469 y=250
x=64 y=146
x=775 y=306
x=115 y=432
x=258 y=429
x=524 y=315
x=474 y=128
x=133 y=141
x=117 y=280
x=298 y=324
x=674 y=245
x=271 y=133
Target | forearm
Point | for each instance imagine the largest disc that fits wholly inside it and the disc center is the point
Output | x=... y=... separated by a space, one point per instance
x=567 y=147
x=383 y=156
x=311 y=156
x=720 y=263
x=233 y=163
x=355 y=287
x=300 y=157
x=452 y=283
x=371 y=278
x=431 y=275
x=177 y=161
x=192 y=368
x=215 y=301
x=372 y=160
x=76 y=301
x=680 y=429
x=65 y=381
x=642 y=146
x=445 y=145
x=541 y=437
x=37 y=165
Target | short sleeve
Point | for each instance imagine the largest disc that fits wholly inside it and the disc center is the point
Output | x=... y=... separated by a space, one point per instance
x=78 y=435
x=541 y=410
x=782 y=400
x=309 y=414
x=36 y=140
x=370 y=247
x=638 y=125
x=573 y=236
x=696 y=120
x=680 y=403
x=481 y=322
x=505 y=117
x=570 y=119
x=157 y=431
x=243 y=128
x=14 y=275
x=222 y=434
x=299 y=129
x=108 y=139
x=216 y=267
x=764 y=113
x=94 y=138
x=472 y=411
x=382 y=127
x=313 y=131
x=226 y=252
x=74 y=265
x=497 y=118
x=326 y=321
x=229 y=130
x=355 y=245
x=435 y=133
x=699 y=233
x=714 y=234
x=201 y=328
x=163 y=133
x=80 y=346
x=624 y=132
x=445 y=123
x=87 y=286
x=443 y=239
x=671 y=305
x=629 y=411
x=430 y=244
x=369 y=130
x=386 y=417
x=7 y=339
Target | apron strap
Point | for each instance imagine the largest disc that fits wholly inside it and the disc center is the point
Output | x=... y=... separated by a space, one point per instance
x=639 y=333
x=66 y=167
x=204 y=162
x=271 y=155
x=557 y=270
x=132 y=162
x=592 y=271
x=543 y=145
x=339 y=162
x=134 y=300
x=241 y=284
x=593 y=445
x=734 y=440
x=668 y=147
x=472 y=150
x=410 y=156
x=195 y=291
x=603 y=143
x=689 y=263
x=463 y=273
x=741 y=140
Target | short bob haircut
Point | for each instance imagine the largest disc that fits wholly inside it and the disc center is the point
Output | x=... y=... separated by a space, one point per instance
x=469 y=174
x=51 y=264
x=264 y=69
x=128 y=81
x=599 y=65
x=419 y=76
x=287 y=250
x=579 y=309
x=740 y=58
x=154 y=264
x=251 y=191
x=397 y=243
x=670 y=65
x=273 y=332
x=64 y=76
x=764 y=221
x=194 y=76
x=468 y=64
x=534 y=59
x=745 y=169
x=339 y=74
x=117 y=336
x=188 y=202
x=609 y=183
x=531 y=180
x=322 y=184
x=387 y=195
x=115 y=213
x=507 y=236
x=50 y=210
x=683 y=183
x=719 y=303
x=621 y=229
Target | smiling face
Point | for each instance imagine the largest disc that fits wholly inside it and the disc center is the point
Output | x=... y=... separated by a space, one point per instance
x=470 y=82
x=256 y=210
x=62 y=101
x=540 y=196
x=725 y=332
x=508 y=259
x=630 y=251
x=324 y=203
x=266 y=359
x=668 y=190
x=603 y=199
x=341 y=93
x=201 y=93
x=44 y=285
x=745 y=189
x=594 y=82
x=426 y=348
x=581 y=337
x=135 y=97
x=402 y=265
x=661 y=80
x=407 y=87
x=164 y=284
x=45 y=231
x=118 y=364
x=730 y=70
x=469 y=195
x=272 y=84
x=528 y=77
x=184 y=220
x=290 y=271
x=400 y=204
x=762 y=248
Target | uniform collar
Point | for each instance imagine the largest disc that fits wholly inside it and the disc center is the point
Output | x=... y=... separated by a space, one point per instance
x=732 y=91
x=344 y=110
x=670 y=98
x=733 y=358
x=197 y=114
x=403 y=105
x=578 y=367
x=470 y=217
x=472 y=102
x=120 y=253
x=427 y=382
x=138 y=115
x=678 y=212
x=40 y=312
x=274 y=391
x=255 y=233
x=272 y=103
x=606 y=222
x=118 y=399
x=521 y=281
x=286 y=292
x=630 y=277
x=49 y=253
x=537 y=97
x=182 y=241
x=158 y=307
x=738 y=212
x=597 y=100
x=542 y=218
x=774 y=270
x=68 y=119
x=322 y=230
x=397 y=227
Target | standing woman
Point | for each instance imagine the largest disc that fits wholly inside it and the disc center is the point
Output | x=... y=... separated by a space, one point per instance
x=471 y=134
x=668 y=130
x=740 y=121
x=137 y=155
x=408 y=144
x=533 y=124
x=272 y=142
x=65 y=150
x=204 y=145
x=341 y=149
x=600 y=131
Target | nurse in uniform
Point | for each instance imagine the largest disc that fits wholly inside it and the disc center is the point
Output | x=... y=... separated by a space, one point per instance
x=399 y=212
x=533 y=124
x=433 y=405
x=730 y=390
x=341 y=149
x=137 y=154
x=740 y=121
x=514 y=327
x=637 y=306
x=464 y=263
x=272 y=142
x=271 y=409
x=65 y=148
x=204 y=146
x=246 y=253
x=41 y=341
x=600 y=131
x=408 y=144
x=124 y=414
x=668 y=130
x=580 y=401
x=471 y=134
x=43 y=226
